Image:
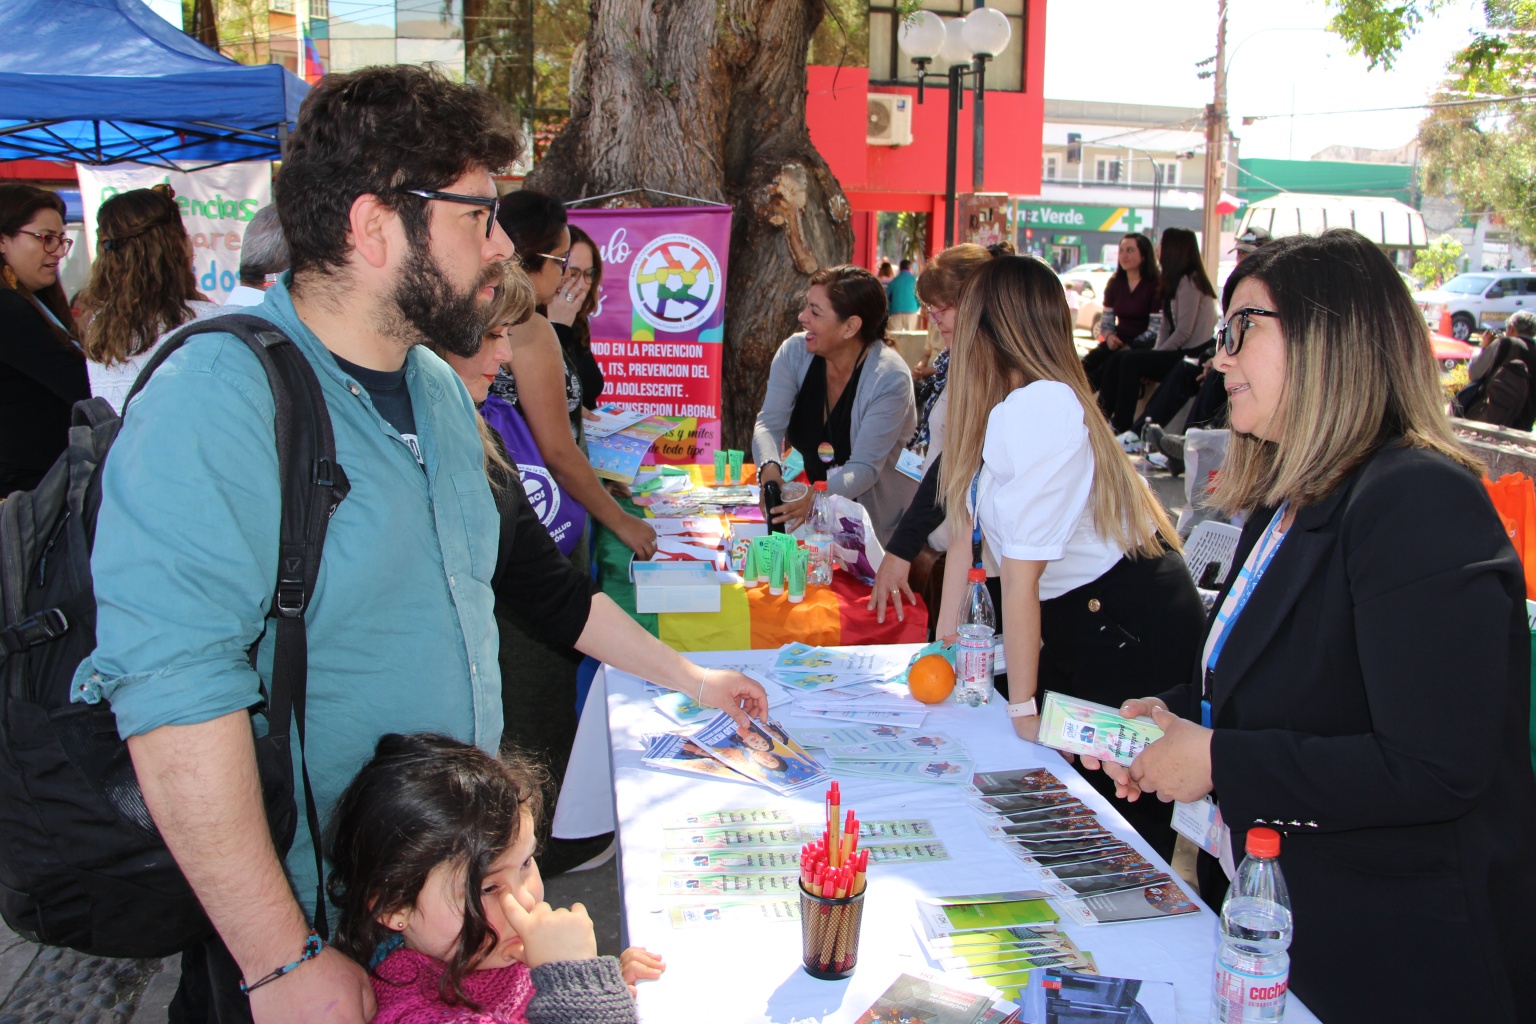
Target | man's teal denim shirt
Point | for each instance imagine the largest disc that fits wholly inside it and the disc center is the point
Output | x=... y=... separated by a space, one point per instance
x=402 y=635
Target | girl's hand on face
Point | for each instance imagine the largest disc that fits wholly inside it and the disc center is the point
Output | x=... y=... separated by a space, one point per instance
x=550 y=935
x=637 y=964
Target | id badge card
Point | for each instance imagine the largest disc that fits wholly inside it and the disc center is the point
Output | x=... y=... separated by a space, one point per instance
x=910 y=464
x=1200 y=823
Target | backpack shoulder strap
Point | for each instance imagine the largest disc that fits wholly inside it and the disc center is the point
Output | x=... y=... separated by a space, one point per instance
x=313 y=485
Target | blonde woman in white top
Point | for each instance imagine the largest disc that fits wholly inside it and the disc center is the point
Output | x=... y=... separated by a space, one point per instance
x=1096 y=599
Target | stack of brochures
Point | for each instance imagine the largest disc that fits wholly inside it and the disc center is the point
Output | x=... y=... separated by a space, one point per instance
x=891 y=752
x=934 y=999
x=760 y=752
x=842 y=686
x=1093 y=876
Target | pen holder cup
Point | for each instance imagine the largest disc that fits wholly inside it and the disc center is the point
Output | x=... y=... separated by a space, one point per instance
x=829 y=934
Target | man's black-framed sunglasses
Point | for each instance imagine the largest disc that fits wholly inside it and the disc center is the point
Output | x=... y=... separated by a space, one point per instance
x=491 y=203
x=1244 y=317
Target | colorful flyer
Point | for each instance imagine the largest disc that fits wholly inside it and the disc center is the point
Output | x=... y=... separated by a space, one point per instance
x=945 y=916
x=730 y=885
x=742 y=912
x=915 y=747
x=720 y=861
x=745 y=816
x=833 y=737
x=895 y=853
x=762 y=751
x=726 y=838
x=1020 y=780
x=1083 y=727
x=954 y=772
x=1166 y=899
x=672 y=751
x=913 y=828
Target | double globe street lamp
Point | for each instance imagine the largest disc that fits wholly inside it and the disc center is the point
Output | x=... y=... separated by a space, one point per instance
x=965 y=44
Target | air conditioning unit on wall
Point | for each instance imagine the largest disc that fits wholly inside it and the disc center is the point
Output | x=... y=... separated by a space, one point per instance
x=890 y=120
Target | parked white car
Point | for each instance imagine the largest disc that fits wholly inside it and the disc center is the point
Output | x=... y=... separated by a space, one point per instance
x=1085 y=284
x=1474 y=302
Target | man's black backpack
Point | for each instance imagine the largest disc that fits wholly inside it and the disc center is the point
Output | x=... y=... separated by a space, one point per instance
x=1504 y=395
x=81 y=862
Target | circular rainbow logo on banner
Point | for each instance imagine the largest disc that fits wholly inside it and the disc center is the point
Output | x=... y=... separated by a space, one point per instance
x=675 y=283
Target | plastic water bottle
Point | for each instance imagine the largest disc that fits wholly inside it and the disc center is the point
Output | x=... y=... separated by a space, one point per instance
x=1253 y=968
x=820 y=540
x=978 y=626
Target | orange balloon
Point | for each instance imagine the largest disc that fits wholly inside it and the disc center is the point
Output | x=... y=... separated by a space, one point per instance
x=931 y=679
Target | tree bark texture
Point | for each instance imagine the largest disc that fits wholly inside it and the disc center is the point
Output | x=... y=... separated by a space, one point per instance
x=706 y=98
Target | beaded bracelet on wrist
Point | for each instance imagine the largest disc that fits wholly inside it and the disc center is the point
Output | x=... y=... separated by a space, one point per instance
x=312 y=947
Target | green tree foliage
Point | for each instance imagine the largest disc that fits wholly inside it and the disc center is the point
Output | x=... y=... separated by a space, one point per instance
x=1439 y=262
x=1482 y=150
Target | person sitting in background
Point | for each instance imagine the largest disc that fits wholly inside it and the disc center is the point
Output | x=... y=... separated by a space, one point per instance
x=1189 y=319
x=1096 y=598
x=540 y=382
x=584 y=276
x=42 y=374
x=1130 y=297
x=919 y=540
x=263 y=255
x=840 y=395
x=901 y=299
x=1501 y=380
x=142 y=287
x=886 y=273
x=1365 y=682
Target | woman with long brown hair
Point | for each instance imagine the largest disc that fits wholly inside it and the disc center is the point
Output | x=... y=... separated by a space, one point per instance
x=1096 y=598
x=142 y=287
x=42 y=374
x=582 y=287
x=1365 y=682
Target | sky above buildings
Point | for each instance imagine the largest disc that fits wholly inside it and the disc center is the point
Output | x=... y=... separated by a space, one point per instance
x=1280 y=58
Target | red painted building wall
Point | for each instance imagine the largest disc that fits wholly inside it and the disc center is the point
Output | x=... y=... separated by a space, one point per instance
x=911 y=178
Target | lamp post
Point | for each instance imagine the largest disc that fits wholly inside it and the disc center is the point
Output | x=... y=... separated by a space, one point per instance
x=965 y=44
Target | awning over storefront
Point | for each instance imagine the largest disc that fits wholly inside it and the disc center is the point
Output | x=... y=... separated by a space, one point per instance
x=1386 y=222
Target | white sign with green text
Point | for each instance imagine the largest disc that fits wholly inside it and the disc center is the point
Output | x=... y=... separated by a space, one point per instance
x=216 y=205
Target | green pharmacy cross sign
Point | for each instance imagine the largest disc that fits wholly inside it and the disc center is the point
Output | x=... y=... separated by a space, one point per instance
x=1123 y=219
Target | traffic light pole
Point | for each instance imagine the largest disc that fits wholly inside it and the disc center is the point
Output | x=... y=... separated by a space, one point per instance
x=1216 y=149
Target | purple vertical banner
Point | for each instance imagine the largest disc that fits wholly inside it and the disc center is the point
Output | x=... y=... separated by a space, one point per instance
x=659 y=325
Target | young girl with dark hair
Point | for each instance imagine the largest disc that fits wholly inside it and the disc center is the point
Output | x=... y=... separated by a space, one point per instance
x=840 y=395
x=1188 y=304
x=438 y=893
x=42 y=374
x=583 y=279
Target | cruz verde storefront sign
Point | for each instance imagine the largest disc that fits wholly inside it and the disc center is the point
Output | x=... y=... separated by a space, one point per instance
x=1061 y=217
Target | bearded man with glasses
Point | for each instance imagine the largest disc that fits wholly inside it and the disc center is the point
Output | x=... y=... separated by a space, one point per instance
x=388 y=204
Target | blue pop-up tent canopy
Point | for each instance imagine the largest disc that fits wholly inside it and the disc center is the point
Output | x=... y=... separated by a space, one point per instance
x=103 y=81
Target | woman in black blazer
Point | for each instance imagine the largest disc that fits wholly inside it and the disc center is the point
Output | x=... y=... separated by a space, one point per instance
x=1371 y=699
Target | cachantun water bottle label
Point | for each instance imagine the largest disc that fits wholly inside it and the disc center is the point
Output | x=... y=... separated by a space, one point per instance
x=1241 y=997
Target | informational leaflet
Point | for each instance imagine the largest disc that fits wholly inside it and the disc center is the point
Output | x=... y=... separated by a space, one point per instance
x=737 y=912
x=735 y=884
x=1083 y=727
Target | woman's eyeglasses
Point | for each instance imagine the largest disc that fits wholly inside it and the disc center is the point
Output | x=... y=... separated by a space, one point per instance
x=491 y=203
x=564 y=260
x=51 y=242
x=936 y=310
x=1244 y=318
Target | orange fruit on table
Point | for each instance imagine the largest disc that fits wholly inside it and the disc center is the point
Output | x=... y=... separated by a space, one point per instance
x=931 y=679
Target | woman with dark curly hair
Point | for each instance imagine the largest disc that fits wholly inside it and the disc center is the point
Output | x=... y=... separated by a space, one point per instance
x=42 y=374
x=142 y=287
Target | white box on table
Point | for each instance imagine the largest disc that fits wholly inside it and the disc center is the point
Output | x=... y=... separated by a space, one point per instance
x=675 y=587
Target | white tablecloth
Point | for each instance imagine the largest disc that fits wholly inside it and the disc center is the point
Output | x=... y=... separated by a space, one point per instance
x=724 y=972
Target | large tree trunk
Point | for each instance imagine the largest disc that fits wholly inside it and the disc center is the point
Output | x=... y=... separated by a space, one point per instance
x=706 y=98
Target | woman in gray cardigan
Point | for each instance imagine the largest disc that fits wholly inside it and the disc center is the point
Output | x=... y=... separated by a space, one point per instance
x=842 y=397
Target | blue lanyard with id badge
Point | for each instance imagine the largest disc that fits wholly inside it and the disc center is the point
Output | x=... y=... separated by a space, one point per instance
x=1200 y=821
